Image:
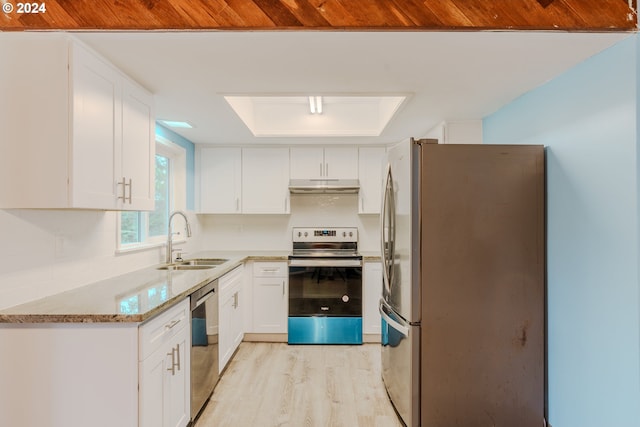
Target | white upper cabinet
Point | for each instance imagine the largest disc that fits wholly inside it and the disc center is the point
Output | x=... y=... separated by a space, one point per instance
x=324 y=163
x=77 y=132
x=341 y=162
x=244 y=180
x=220 y=172
x=370 y=165
x=138 y=147
x=265 y=180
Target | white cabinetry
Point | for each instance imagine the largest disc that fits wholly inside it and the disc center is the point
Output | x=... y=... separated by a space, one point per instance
x=231 y=304
x=77 y=132
x=324 y=163
x=270 y=297
x=372 y=292
x=370 y=165
x=97 y=374
x=244 y=180
x=165 y=344
x=220 y=171
x=265 y=180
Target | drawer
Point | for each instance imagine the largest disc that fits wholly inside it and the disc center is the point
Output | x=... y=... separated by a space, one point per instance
x=231 y=280
x=162 y=328
x=270 y=269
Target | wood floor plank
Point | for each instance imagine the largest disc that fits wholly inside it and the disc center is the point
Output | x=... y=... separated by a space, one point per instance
x=275 y=384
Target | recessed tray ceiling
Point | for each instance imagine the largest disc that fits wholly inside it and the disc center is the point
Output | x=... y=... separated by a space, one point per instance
x=290 y=115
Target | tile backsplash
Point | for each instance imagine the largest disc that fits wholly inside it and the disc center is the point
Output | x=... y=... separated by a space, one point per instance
x=44 y=252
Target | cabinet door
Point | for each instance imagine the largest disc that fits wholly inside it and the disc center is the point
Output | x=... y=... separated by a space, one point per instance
x=265 y=180
x=226 y=329
x=372 y=292
x=307 y=163
x=270 y=298
x=370 y=165
x=153 y=389
x=238 y=318
x=96 y=118
x=341 y=162
x=138 y=149
x=220 y=180
x=178 y=403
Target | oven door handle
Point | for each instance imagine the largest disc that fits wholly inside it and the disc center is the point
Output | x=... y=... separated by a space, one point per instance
x=325 y=262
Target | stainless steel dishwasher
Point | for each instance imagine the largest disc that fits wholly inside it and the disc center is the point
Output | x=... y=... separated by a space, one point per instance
x=204 y=345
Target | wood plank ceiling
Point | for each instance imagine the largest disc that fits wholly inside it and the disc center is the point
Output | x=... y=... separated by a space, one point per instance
x=563 y=15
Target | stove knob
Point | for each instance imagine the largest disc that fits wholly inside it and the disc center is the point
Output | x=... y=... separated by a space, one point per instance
x=299 y=233
x=306 y=234
x=344 y=234
x=351 y=234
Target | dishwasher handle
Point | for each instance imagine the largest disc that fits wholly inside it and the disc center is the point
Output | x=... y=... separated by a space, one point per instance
x=204 y=293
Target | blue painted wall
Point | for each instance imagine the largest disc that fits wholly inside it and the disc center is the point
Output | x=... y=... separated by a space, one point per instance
x=588 y=119
x=190 y=148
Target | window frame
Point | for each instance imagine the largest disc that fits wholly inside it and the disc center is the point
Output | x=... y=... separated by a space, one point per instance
x=177 y=199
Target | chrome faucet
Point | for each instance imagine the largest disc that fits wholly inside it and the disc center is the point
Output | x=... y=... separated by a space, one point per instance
x=170 y=233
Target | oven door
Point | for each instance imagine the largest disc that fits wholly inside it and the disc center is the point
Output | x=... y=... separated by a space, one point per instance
x=325 y=287
x=325 y=301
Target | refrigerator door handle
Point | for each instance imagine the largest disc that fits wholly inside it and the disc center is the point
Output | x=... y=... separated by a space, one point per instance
x=386 y=237
x=384 y=312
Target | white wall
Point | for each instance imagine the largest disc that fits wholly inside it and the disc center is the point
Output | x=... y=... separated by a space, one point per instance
x=588 y=118
x=43 y=252
x=273 y=232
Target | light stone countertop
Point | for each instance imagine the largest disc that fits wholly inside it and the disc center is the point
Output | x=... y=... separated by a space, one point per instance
x=130 y=298
x=137 y=296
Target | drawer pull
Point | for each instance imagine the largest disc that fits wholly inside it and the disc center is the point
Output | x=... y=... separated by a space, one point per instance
x=172 y=324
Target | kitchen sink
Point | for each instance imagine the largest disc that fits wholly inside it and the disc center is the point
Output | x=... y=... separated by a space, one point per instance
x=185 y=267
x=212 y=262
x=194 y=264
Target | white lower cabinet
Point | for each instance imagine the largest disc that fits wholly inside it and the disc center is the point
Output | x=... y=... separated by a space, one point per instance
x=270 y=297
x=372 y=292
x=164 y=394
x=97 y=374
x=231 y=305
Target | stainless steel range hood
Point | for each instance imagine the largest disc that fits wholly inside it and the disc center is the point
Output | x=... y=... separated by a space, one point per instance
x=327 y=186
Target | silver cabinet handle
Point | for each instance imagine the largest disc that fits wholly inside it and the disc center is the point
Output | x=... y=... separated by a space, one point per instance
x=235 y=300
x=173 y=361
x=326 y=167
x=130 y=190
x=124 y=189
x=172 y=324
x=320 y=169
x=174 y=364
x=283 y=287
x=178 y=356
x=237 y=204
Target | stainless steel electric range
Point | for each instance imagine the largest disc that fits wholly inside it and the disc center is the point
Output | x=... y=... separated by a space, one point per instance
x=325 y=287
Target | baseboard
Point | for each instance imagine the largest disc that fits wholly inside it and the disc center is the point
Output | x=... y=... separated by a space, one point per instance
x=265 y=337
x=371 y=338
x=366 y=338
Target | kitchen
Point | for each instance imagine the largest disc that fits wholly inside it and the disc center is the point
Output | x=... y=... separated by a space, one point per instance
x=50 y=251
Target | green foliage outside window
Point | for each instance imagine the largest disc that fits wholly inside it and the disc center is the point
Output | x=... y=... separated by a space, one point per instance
x=137 y=227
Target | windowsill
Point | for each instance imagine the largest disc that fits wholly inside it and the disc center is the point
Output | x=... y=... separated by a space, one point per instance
x=144 y=246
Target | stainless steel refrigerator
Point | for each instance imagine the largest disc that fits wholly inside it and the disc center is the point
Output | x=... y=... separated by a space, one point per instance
x=463 y=304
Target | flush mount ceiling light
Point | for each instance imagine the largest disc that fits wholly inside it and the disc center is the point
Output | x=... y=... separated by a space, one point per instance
x=177 y=124
x=288 y=115
x=315 y=104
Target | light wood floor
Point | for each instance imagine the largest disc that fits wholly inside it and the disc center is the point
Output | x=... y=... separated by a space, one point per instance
x=275 y=384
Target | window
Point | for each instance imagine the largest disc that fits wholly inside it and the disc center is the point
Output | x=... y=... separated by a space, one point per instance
x=143 y=229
